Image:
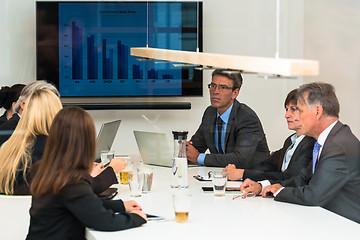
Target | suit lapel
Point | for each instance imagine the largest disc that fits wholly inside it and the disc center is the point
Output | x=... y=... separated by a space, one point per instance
x=209 y=133
x=331 y=135
x=297 y=151
x=232 y=117
x=288 y=142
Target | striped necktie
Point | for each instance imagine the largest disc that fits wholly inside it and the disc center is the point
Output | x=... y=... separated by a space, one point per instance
x=315 y=155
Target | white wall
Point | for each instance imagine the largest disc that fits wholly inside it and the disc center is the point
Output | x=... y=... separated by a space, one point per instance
x=332 y=35
x=245 y=27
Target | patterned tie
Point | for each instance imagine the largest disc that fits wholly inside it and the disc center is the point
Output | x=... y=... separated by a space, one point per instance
x=315 y=155
x=219 y=122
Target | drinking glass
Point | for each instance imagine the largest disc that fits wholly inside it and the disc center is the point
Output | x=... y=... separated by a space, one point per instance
x=124 y=173
x=219 y=180
x=106 y=156
x=181 y=201
x=136 y=180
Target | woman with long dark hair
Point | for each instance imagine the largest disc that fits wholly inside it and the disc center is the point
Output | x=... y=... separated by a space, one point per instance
x=63 y=201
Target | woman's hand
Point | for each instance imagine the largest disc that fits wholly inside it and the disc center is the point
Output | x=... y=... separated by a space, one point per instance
x=97 y=169
x=118 y=164
x=131 y=206
x=141 y=214
x=134 y=207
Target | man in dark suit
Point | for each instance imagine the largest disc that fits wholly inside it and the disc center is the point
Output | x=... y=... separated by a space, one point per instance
x=229 y=129
x=288 y=161
x=333 y=180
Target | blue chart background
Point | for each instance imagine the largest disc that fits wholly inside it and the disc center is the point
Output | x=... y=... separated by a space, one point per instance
x=113 y=22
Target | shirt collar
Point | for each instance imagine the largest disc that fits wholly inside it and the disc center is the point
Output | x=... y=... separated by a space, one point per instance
x=296 y=139
x=225 y=116
x=322 y=137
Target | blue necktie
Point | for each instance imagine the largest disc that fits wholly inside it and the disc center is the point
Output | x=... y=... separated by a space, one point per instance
x=315 y=155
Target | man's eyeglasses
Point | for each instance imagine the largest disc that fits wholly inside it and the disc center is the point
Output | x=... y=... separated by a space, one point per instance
x=213 y=86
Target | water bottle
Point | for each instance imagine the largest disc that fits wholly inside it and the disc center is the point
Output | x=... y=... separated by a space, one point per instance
x=180 y=165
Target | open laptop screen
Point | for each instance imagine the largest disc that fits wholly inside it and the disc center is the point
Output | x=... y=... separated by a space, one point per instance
x=154 y=148
x=106 y=137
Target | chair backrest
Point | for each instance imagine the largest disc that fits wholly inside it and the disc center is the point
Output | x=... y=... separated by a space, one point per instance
x=14 y=216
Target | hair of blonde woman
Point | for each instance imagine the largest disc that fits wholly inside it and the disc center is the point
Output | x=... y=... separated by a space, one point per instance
x=69 y=152
x=30 y=88
x=39 y=112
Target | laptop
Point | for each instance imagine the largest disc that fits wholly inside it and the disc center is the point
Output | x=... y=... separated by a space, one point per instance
x=154 y=148
x=106 y=137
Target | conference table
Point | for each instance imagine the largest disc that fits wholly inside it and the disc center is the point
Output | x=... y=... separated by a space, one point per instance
x=213 y=217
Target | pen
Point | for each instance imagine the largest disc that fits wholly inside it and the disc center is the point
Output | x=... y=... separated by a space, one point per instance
x=244 y=195
x=237 y=196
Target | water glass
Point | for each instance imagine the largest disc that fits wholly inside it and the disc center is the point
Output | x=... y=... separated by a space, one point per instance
x=106 y=156
x=136 y=180
x=219 y=180
x=148 y=178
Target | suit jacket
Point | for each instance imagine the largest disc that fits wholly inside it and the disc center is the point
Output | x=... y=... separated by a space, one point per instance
x=3 y=118
x=335 y=185
x=245 y=142
x=99 y=184
x=21 y=186
x=65 y=215
x=8 y=127
x=271 y=168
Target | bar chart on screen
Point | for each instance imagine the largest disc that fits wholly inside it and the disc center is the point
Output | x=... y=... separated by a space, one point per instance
x=94 y=50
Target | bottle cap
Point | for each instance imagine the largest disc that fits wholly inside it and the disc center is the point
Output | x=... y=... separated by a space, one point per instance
x=180 y=134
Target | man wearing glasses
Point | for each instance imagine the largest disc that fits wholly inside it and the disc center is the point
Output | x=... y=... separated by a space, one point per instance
x=230 y=130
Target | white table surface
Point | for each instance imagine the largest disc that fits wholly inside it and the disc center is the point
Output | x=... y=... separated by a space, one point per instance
x=213 y=217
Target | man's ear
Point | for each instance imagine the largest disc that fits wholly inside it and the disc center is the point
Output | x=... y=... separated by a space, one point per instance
x=235 y=93
x=319 y=111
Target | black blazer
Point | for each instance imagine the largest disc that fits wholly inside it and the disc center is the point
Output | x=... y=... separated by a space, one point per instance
x=100 y=183
x=65 y=215
x=335 y=185
x=271 y=168
x=245 y=142
x=8 y=127
x=3 y=118
x=21 y=186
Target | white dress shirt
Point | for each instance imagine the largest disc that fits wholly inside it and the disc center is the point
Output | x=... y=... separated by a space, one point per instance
x=295 y=140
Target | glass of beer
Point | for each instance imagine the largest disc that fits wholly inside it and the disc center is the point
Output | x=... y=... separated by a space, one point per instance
x=181 y=201
x=124 y=173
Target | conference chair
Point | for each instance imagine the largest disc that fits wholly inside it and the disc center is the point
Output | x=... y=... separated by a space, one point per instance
x=14 y=216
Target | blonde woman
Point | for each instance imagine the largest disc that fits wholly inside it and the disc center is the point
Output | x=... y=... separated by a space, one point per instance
x=26 y=144
x=7 y=128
